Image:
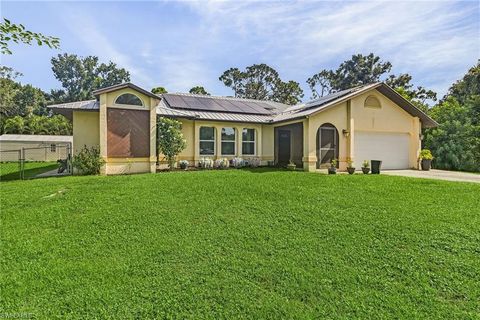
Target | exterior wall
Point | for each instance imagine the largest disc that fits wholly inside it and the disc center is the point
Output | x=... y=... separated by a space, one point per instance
x=191 y=132
x=134 y=164
x=336 y=116
x=41 y=150
x=352 y=117
x=390 y=118
x=86 y=130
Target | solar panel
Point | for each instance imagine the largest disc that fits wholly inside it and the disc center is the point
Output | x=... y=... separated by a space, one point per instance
x=216 y=104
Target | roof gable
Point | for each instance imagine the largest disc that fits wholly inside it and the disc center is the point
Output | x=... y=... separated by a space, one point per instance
x=116 y=87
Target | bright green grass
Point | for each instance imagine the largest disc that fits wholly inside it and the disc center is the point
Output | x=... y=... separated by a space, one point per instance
x=237 y=243
x=11 y=170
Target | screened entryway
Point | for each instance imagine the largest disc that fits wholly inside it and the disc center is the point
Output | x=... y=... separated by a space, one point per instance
x=327 y=145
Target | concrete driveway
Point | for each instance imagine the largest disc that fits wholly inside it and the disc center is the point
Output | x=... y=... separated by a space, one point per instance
x=436 y=174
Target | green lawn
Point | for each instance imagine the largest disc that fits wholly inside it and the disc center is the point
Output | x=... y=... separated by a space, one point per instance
x=238 y=243
x=11 y=170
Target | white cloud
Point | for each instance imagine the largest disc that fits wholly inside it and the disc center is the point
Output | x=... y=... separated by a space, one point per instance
x=434 y=41
x=83 y=25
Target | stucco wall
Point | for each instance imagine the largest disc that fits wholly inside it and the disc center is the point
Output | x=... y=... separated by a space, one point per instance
x=85 y=130
x=127 y=165
x=191 y=132
x=352 y=116
x=389 y=118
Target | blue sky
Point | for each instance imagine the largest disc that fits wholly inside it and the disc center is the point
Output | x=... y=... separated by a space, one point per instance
x=182 y=44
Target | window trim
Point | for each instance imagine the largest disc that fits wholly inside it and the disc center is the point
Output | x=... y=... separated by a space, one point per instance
x=200 y=140
x=234 y=141
x=249 y=141
x=130 y=105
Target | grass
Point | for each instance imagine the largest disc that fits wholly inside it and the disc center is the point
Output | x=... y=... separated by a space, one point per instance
x=240 y=244
x=11 y=170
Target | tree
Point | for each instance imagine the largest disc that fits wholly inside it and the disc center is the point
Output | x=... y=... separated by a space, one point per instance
x=10 y=32
x=159 y=90
x=358 y=70
x=454 y=143
x=417 y=96
x=170 y=141
x=199 y=90
x=261 y=82
x=18 y=99
x=81 y=76
x=34 y=124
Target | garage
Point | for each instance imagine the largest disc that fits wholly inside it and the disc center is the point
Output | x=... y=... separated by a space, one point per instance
x=391 y=148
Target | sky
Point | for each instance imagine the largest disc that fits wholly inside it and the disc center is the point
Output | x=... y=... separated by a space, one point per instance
x=179 y=45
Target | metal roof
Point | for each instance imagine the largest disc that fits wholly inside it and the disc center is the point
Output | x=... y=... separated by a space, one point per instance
x=183 y=105
x=78 y=105
x=122 y=86
x=35 y=138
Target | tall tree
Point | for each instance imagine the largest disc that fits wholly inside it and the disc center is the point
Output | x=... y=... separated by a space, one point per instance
x=199 y=90
x=11 y=32
x=358 y=70
x=80 y=76
x=159 y=90
x=455 y=143
x=262 y=82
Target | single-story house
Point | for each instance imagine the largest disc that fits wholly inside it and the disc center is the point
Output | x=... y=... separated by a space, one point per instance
x=35 y=147
x=370 y=122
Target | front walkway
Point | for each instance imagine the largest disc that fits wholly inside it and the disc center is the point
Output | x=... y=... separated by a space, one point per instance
x=436 y=174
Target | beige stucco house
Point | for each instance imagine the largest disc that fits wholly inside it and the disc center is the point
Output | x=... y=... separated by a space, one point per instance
x=371 y=122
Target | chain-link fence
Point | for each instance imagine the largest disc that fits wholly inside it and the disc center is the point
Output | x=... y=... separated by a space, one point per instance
x=35 y=162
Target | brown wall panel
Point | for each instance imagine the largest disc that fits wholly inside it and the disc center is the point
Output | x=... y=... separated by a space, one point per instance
x=128 y=133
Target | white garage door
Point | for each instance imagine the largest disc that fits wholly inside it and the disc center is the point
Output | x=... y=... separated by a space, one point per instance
x=391 y=148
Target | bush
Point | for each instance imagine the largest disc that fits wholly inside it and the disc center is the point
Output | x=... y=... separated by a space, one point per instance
x=88 y=161
x=205 y=163
x=238 y=162
x=222 y=163
x=170 y=139
x=425 y=154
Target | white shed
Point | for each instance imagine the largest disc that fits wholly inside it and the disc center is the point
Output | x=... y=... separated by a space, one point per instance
x=35 y=147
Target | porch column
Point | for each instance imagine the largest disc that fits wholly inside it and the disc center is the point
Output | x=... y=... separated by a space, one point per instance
x=218 y=142
x=309 y=147
x=239 y=139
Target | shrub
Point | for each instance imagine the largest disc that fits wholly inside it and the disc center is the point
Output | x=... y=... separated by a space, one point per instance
x=253 y=162
x=222 y=163
x=425 y=154
x=184 y=164
x=88 y=161
x=170 y=141
x=349 y=163
x=365 y=164
x=238 y=162
x=205 y=163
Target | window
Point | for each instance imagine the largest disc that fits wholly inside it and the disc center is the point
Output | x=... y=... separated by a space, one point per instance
x=207 y=141
x=53 y=147
x=130 y=99
x=372 y=102
x=228 y=141
x=248 y=141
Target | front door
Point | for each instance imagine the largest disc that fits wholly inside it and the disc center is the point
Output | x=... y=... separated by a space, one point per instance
x=283 y=147
x=328 y=145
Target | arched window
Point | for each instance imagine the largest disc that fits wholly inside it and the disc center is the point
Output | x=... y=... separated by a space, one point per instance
x=228 y=141
x=207 y=141
x=130 y=99
x=372 y=102
x=327 y=144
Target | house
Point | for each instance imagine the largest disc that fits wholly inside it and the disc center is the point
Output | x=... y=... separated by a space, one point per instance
x=34 y=147
x=363 y=123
